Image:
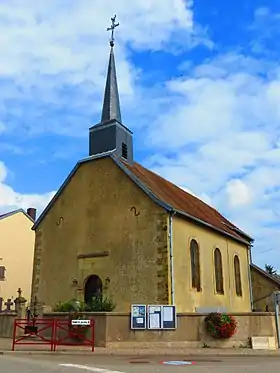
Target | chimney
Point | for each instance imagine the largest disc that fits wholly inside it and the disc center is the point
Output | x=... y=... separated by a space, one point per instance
x=32 y=213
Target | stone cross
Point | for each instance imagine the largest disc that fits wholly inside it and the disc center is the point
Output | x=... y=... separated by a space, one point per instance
x=112 y=29
x=19 y=292
x=8 y=305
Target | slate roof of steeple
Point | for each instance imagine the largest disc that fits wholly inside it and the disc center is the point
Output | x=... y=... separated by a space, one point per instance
x=111 y=103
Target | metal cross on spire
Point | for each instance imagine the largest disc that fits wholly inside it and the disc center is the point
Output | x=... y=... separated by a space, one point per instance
x=112 y=29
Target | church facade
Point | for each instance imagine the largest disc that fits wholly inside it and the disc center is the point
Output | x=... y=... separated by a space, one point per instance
x=114 y=224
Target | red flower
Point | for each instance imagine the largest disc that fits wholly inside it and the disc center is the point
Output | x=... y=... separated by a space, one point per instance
x=221 y=325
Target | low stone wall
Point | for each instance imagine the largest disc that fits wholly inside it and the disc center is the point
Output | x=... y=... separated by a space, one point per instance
x=113 y=329
x=7 y=324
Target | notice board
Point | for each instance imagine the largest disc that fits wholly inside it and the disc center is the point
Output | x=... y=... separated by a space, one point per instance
x=162 y=317
x=138 y=317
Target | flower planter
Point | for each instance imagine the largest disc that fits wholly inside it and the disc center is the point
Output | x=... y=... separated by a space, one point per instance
x=220 y=326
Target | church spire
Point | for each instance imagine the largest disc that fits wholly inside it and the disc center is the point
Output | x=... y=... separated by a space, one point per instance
x=110 y=135
x=111 y=103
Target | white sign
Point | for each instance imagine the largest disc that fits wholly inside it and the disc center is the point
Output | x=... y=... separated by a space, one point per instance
x=154 y=321
x=154 y=309
x=167 y=313
x=80 y=322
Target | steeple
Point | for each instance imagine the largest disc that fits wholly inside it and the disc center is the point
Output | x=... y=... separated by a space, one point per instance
x=111 y=103
x=110 y=134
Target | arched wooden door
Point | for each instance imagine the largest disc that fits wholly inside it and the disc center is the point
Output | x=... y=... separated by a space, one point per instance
x=93 y=288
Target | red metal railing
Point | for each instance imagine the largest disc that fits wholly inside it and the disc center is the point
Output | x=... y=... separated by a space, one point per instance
x=73 y=338
x=41 y=326
x=60 y=333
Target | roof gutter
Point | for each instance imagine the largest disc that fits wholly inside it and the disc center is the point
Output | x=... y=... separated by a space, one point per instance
x=170 y=236
x=249 y=256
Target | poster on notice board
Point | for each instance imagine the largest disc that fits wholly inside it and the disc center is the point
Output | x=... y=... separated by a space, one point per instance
x=162 y=317
x=138 y=316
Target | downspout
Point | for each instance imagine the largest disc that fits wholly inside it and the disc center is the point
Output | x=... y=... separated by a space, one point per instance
x=229 y=277
x=170 y=235
x=249 y=254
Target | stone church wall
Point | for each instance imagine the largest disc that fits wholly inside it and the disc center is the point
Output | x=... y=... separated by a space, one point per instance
x=102 y=224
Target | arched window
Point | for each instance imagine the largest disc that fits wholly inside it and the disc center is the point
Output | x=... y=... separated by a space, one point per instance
x=219 y=279
x=195 y=265
x=237 y=275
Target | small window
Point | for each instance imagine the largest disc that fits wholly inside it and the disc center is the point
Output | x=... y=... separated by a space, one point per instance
x=124 y=150
x=219 y=279
x=2 y=273
x=237 y=276
x=195 y=265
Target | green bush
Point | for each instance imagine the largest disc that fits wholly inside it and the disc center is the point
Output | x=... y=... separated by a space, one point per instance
x=72 y=305
x=98 y=304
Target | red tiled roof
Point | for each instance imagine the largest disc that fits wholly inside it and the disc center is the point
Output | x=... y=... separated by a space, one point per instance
x=183 y=201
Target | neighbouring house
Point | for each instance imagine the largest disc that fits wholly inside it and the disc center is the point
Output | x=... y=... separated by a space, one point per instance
x=116 y=225
x=263 y=285
x=16 y=253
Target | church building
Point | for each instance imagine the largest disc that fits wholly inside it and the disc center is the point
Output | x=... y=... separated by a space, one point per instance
x=116 y=225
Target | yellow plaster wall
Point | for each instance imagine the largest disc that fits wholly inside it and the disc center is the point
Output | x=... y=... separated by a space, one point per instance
x=92 y=215
x=263 y=287
x=16 y=253
x=188 y=299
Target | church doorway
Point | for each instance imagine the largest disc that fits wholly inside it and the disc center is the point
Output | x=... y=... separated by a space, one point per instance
x=93 y=288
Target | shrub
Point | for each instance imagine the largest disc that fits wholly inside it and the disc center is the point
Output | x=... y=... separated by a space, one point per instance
x=98 y=304
x=72 y=305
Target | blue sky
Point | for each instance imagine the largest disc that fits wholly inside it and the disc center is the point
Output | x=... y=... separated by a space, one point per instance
x=199 y=84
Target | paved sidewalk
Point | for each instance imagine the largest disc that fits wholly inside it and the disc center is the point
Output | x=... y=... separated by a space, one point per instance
x=6 y=348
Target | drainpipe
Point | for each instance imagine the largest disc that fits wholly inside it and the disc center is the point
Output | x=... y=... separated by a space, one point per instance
x=249 y=255
x=170 y=235
x=229 y=278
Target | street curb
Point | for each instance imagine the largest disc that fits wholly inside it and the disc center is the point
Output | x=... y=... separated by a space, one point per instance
x=144 y=353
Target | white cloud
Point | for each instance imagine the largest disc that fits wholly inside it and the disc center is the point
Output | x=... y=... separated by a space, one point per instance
x=52 y=44
x=238 y=193
x=10 y=199
x=222 y=129
x=56 y=45
x=72 y=39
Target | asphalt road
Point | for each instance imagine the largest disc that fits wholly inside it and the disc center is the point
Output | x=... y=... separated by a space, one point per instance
x=112 y=364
